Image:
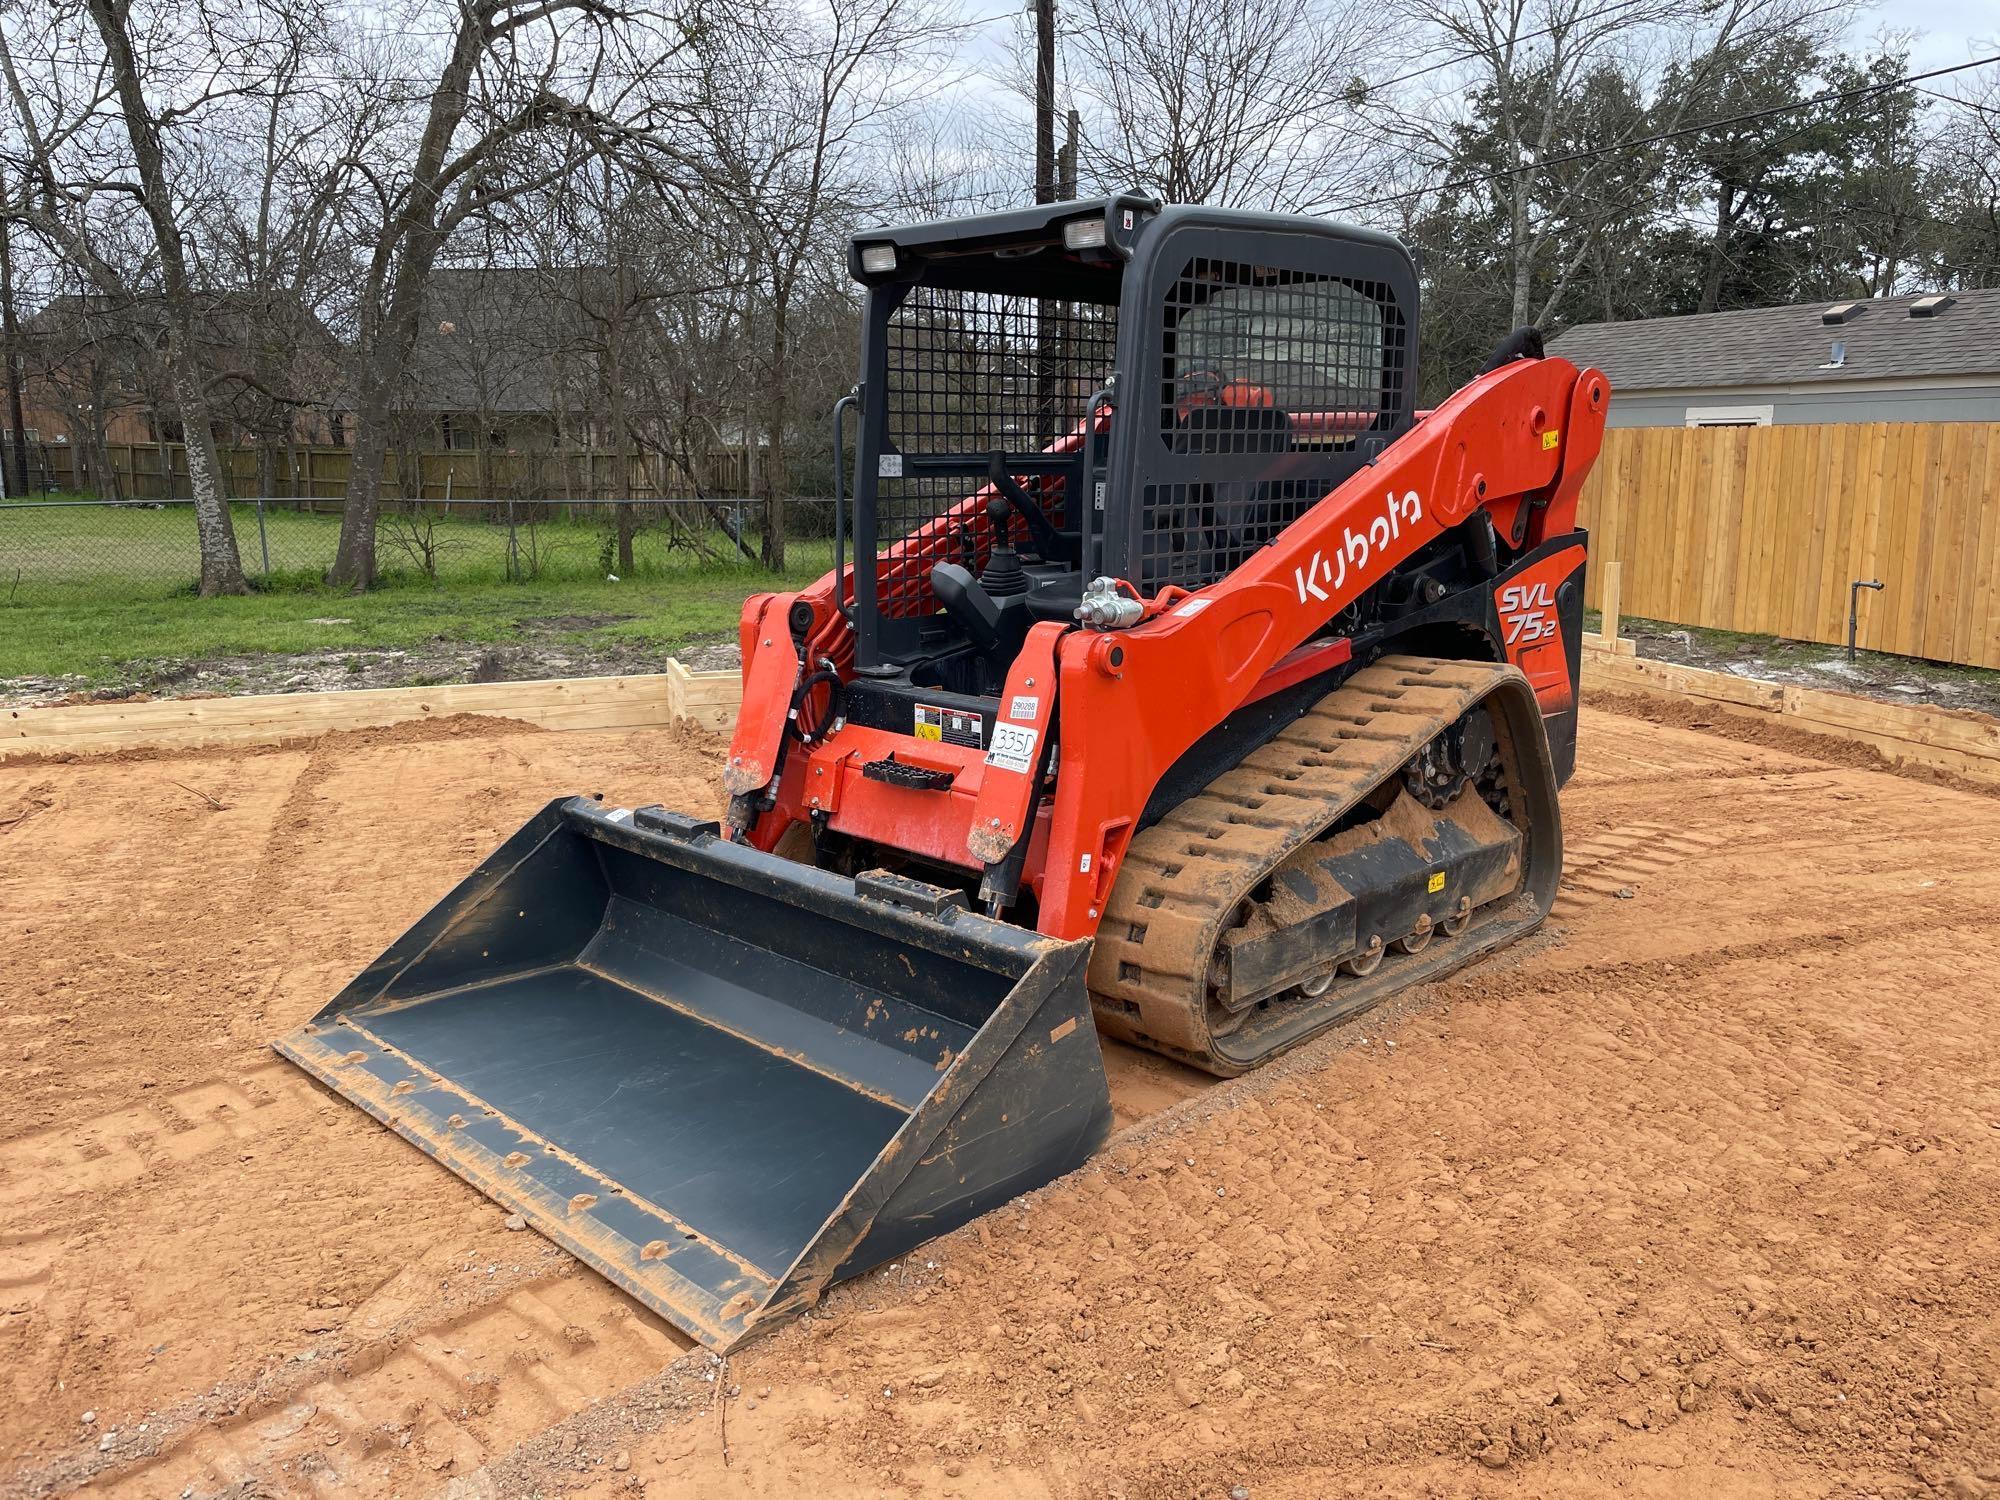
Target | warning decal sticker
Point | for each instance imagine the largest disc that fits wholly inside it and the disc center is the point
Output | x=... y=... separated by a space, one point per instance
x=953 y=726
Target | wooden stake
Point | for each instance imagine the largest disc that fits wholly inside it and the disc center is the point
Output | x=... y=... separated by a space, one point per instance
x=1607 y=625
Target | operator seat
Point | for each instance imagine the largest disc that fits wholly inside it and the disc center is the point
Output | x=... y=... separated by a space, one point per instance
x=1231 y=417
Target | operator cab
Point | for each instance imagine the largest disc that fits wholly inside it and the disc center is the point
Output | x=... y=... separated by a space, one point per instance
x=1107 y=387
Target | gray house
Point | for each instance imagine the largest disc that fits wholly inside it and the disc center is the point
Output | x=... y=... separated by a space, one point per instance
x=1929 y=358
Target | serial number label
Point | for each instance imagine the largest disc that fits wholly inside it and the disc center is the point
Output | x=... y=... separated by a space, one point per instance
x=952 y=726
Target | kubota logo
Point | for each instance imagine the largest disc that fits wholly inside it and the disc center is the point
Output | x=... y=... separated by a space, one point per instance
x=1321 y=578
x=1527 y=613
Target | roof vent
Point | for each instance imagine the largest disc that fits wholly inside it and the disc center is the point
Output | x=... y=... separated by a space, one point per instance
x=1841 y=312
x=1930 y=307
x=1837 y=357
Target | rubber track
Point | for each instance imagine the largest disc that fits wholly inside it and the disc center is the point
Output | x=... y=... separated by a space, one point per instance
x=1184 y=877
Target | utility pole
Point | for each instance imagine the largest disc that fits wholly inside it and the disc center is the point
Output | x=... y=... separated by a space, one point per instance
x=1045 y=101
x=1066 y=169
x=11 y=331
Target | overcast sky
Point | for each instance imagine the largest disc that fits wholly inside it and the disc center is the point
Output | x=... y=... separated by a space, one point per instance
x=1949 y=30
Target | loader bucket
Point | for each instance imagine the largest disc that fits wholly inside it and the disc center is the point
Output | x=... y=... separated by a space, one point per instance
x=723 y=1079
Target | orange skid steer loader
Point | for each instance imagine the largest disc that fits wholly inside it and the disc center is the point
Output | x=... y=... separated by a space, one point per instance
x=1185 y=681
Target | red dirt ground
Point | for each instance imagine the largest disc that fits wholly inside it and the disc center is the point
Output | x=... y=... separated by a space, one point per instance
x=1698 y=1190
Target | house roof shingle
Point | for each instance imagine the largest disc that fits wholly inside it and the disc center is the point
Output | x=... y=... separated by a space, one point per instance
x=1763 y=346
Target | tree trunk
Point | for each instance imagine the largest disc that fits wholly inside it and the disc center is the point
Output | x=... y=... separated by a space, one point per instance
x=774 y=444
x=103 y=472
x=267 y=468
x=621 y=483
x=354 y=558
x=1524 y=267
x=221 y=563
x=221 y=566
x=18 y=485
x=1718 y=252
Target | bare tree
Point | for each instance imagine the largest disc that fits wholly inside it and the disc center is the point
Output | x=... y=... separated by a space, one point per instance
x=517 y=74
x=59 y=207
x=790 y=116
x=1967 y=154
x=271 y=228
x=1251 y=104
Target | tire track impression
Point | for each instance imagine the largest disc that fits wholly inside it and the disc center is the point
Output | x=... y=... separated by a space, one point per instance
x=441 y=1402
x=1599 y=868
x=120 y=1147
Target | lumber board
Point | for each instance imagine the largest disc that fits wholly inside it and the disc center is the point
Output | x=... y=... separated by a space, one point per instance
x=1956 y=740
x=710 y=699
x=628 y=702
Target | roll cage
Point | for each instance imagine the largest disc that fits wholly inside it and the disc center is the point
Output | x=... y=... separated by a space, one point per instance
x=1154 y=392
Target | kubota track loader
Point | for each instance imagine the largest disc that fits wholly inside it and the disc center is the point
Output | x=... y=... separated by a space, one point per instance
x=1186 y=681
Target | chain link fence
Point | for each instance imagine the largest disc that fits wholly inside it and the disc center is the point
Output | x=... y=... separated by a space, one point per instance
x=85 y=551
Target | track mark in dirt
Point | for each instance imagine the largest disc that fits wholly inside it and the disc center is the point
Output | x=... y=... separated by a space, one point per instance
x=1144 y=1084
x=119 y=1147
x=39 y=798
x=26 y=1260
x=1601 y=867
x=441 y=1402
x=286 y=837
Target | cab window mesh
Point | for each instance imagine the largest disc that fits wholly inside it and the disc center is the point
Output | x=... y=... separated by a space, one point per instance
x=1260 y=360
x=973 y=371
x=969 y=373
x=1273 y=385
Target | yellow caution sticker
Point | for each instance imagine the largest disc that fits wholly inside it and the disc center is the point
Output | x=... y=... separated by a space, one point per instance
x=1437 y=882
x=1551 y=438
x=950 y=726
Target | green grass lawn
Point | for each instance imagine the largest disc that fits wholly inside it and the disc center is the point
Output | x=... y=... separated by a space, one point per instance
x=92 y=590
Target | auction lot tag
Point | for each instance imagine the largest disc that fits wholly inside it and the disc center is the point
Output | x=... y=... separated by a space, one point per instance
x=1013 y=748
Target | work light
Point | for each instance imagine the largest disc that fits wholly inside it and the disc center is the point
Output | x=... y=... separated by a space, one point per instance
x=1084 y=234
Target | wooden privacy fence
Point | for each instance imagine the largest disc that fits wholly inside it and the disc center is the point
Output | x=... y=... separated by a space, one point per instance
x=158 y=471
x=1763 y=529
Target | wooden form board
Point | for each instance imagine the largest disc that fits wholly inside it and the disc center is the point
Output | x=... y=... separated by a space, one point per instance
x=1762 y=529
x=654 y=700
x=1966 y=744
x=709 y=699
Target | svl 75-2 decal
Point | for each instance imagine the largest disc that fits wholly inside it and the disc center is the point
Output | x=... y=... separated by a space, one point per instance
x=1527 y=613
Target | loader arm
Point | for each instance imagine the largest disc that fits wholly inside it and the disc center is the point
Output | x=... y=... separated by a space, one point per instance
x=1516 y=442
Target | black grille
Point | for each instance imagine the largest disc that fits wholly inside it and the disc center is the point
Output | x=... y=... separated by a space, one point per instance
x=1196 y=533
x=1273 y=384
x=973 y=371
x=968 y=373
x=1263 y=360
